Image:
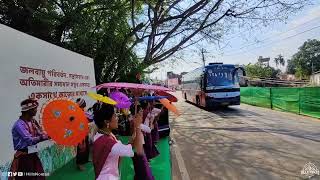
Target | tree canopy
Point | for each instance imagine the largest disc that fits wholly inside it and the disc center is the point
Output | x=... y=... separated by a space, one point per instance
x=114 y=32
x=306 y=60
x=279 y=60
x=261 y=71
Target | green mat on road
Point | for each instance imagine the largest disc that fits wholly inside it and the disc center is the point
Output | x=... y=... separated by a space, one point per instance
x=161 y=166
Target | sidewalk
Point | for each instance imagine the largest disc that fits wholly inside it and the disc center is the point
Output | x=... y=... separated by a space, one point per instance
x=161 y=166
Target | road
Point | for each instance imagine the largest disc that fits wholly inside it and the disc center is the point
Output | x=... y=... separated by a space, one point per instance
x=242 y=142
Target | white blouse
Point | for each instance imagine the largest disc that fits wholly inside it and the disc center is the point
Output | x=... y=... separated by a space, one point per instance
x=110 y=169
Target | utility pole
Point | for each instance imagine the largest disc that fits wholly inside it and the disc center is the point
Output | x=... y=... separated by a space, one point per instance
x=203 y=58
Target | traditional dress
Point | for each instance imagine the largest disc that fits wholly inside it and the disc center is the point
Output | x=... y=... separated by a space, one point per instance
x=83 y=149
x=155 y=132
x=106 y=153
x=140 y=162
x=150 y=149
x=141 y=168
x=25 y=137
x=155 y=128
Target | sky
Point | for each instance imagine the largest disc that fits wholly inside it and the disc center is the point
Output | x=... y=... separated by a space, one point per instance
x=242 y=48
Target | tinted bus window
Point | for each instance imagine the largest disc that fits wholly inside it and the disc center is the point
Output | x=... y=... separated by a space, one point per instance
x=220 y=76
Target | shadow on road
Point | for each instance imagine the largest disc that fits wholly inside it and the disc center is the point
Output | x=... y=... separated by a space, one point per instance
x=220 y=144
x=222 y=114
x=253 y=129
x=225 y=156
x=226 y=111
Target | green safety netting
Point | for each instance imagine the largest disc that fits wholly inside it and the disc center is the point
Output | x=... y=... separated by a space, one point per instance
x=304 y=101
x=285 y=99
x=256 y=96
x=310 y=101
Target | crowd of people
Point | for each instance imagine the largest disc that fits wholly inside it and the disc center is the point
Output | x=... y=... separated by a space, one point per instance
x=139 y=121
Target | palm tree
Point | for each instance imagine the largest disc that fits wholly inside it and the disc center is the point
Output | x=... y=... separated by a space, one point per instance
x=279 y=60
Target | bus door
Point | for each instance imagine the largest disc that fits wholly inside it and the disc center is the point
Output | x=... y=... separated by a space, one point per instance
x=202 y=92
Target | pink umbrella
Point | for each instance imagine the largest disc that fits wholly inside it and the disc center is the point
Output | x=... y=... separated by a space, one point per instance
x=132 y=86
x=136 y=89
x=122 y=100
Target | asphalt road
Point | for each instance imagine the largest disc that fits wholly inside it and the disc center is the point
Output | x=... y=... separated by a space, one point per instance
x=242 y=142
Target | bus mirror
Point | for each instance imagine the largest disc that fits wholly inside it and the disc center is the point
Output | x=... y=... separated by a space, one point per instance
x=234 y=74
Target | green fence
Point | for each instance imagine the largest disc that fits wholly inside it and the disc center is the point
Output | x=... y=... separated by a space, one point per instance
x=304 y=101
x=256 y=96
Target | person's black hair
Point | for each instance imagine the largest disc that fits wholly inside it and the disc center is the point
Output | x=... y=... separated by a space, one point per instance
x=103 y=92
x=96 y=106
x=143 y=104
x=133 y=109
x=83 y=105
x=105 y=112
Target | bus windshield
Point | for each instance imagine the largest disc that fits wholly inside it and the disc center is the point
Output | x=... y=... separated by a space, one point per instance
x=220 y=76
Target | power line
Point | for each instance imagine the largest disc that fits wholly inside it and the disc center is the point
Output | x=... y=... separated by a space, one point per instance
x=293 y=28
x=243 y=51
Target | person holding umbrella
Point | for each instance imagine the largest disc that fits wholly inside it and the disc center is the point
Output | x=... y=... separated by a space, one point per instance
x=26 y=134
x=107 y=149
x=155 y=112
x=149 y=147
x=83 y=150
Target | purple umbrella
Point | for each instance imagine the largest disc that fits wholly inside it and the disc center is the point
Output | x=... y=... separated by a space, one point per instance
x=122 y=100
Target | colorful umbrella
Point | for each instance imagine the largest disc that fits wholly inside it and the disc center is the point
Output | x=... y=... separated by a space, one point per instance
x=122 y=100
x=101 y=98
x=166 y=103
x=151 y=98
x=132 y=86
x=171 y=97
x=136 y=89
x=64 y=121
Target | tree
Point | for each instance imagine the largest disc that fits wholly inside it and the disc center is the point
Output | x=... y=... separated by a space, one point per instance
x=290 y=67
x=168 y=26
x=112 y=31
x=279 y=60
x=257 y=70
x=95 y=28
x=306 y=60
